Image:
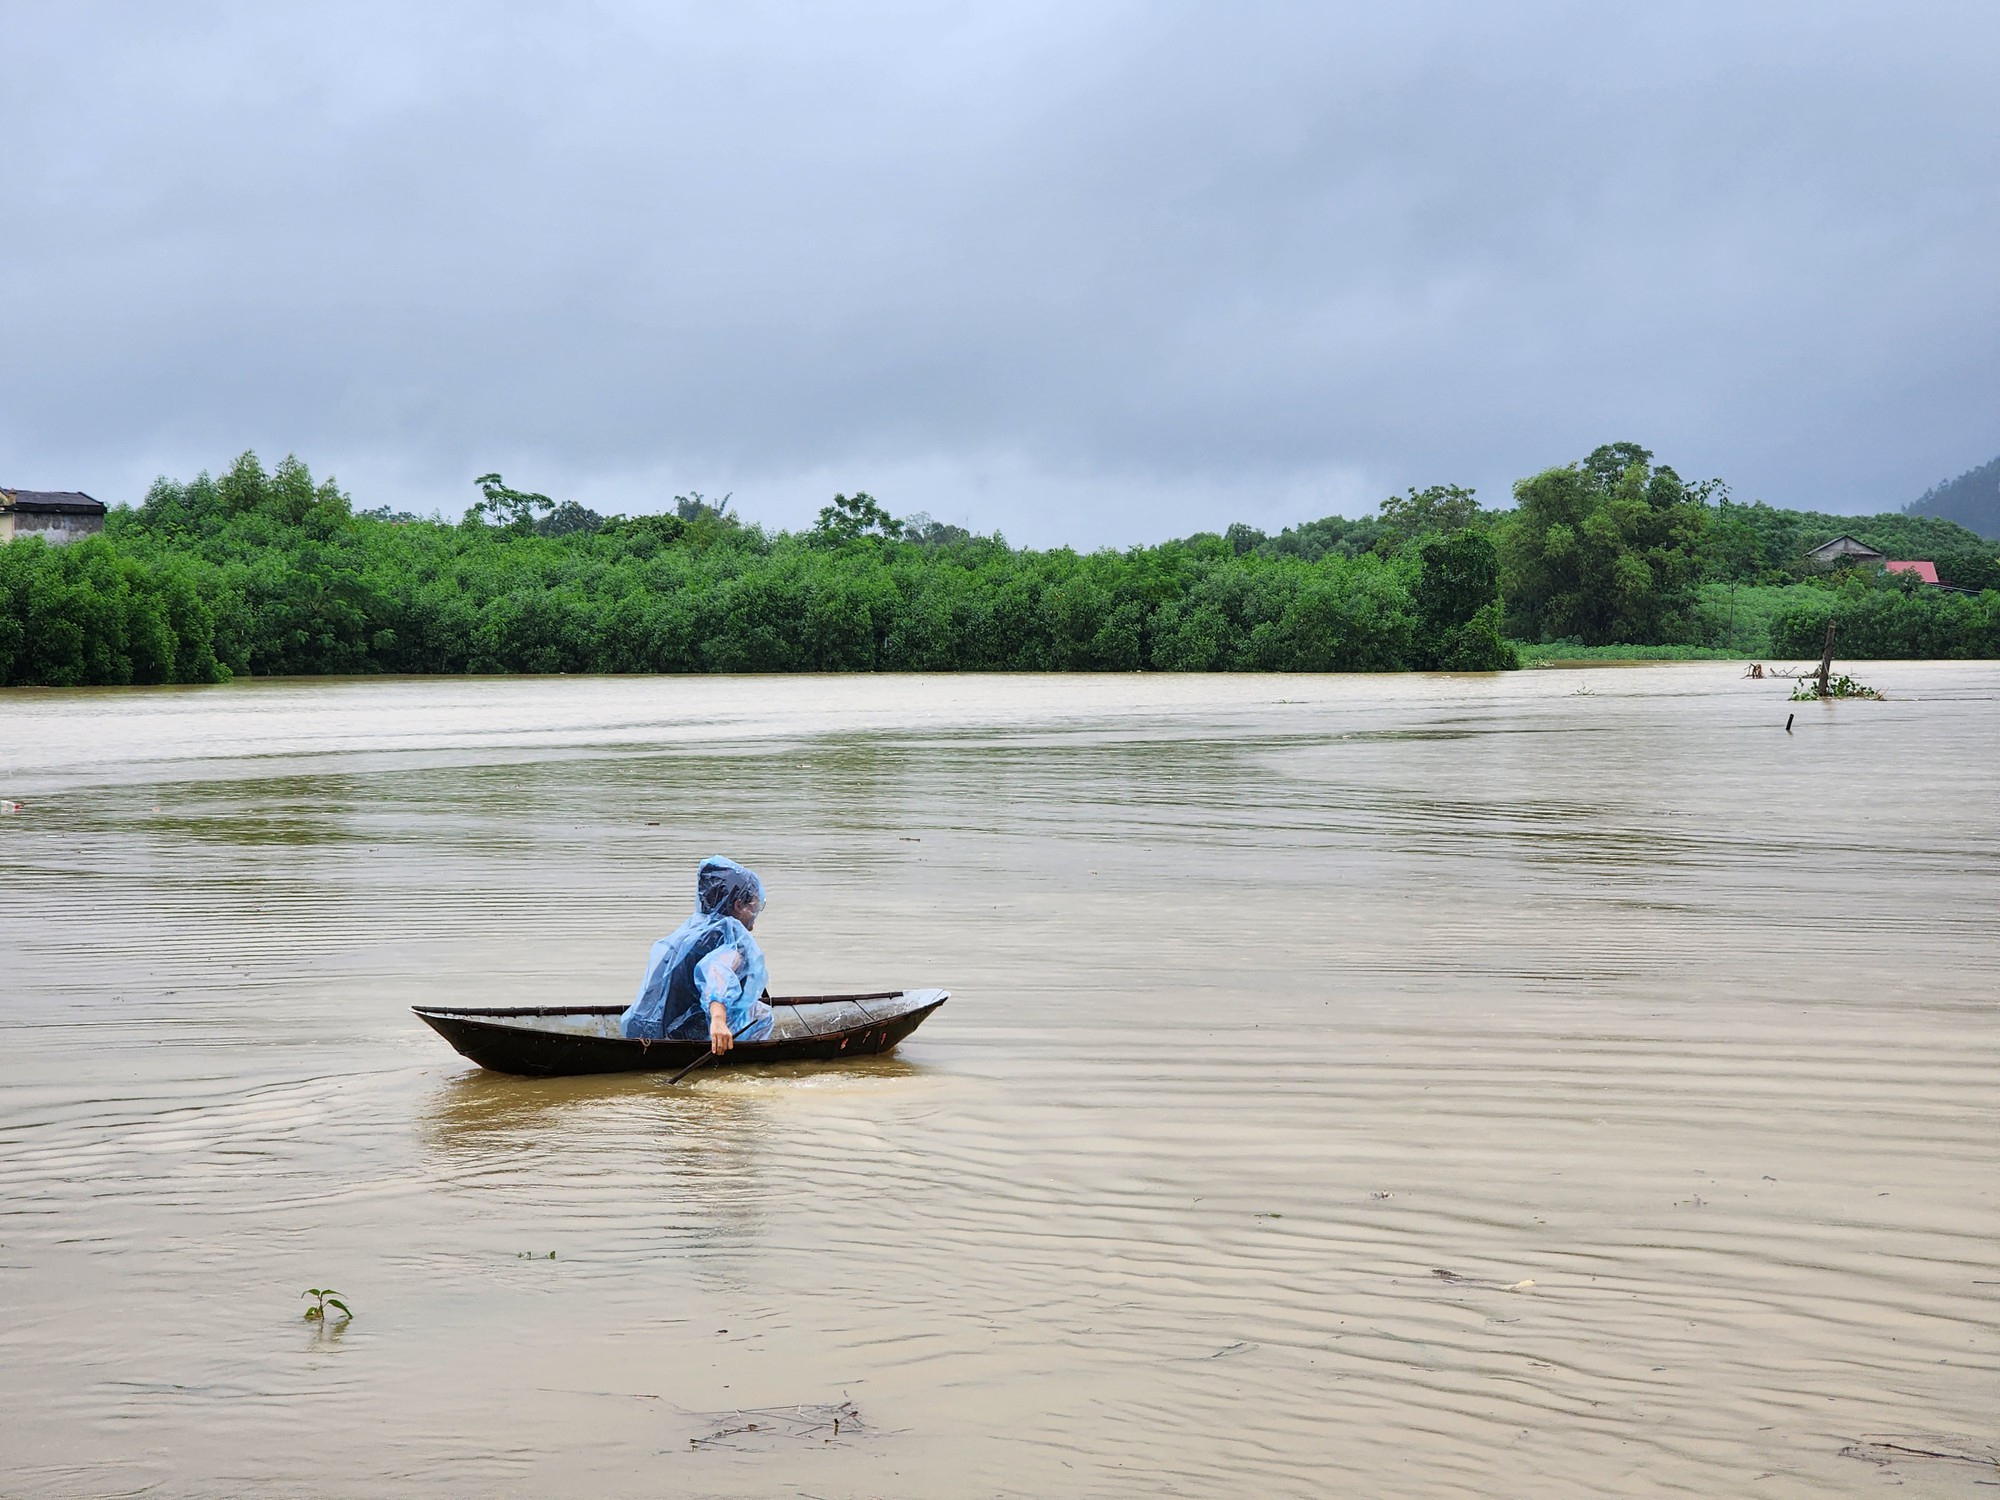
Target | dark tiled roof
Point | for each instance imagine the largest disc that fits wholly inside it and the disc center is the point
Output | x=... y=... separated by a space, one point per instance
x=63 y=502
x=1843 y=545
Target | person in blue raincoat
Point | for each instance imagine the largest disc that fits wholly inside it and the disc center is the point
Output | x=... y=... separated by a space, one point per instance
x=707 y=978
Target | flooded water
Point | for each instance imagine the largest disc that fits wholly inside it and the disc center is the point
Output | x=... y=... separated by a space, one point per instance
x=1297 y=1024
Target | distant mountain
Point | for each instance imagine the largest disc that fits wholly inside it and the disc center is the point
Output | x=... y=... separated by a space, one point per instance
x=1972 y=500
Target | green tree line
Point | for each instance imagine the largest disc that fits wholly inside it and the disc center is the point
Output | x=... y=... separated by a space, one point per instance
x=1615 y=550
x=272 y=573
x=1618 y=550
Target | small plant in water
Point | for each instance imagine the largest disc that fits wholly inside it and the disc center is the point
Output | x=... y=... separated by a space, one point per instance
x=323 y=1298
x=1843 y=686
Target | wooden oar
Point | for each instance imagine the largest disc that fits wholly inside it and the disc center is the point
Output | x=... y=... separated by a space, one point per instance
x=692 y=1066
x=711 y=1051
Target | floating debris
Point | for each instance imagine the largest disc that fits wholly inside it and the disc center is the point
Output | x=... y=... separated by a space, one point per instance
x=1883 y=1450
x=1452 y=1278
x=811 y=1423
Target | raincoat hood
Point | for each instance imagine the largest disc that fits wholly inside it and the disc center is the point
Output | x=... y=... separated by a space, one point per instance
x=721 y=883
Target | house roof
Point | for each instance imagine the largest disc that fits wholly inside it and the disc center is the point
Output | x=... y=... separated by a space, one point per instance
x=1924 y=570
x=51 y=502
x=1845 y=546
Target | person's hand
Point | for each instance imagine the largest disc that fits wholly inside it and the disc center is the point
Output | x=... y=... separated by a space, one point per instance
x=720 y=1040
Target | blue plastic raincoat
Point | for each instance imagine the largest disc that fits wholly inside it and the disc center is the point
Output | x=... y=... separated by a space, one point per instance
x=709 y=958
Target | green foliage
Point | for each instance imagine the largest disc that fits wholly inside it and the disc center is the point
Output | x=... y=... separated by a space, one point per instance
x=706 y=523
x=1441 y=508
x=1608 y=462
x=1601 y=552
x=1332 y=536
x=520 y=511
x=1457 y=598
x=323 y=1298
x=850 y=518
x=925 y=532
x=695 y=506
x=1404 y=519
x=1735 y=618
x=502 y=506
x=87 y=613
x=1556 y=653
x=1806 y=689
x=270 y=573
x=1878 y=618
x=1972 y=568
x=1615 y=558
x=1760 y=544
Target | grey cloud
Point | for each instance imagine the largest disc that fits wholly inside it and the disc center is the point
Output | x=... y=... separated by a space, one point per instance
x=1085 y=273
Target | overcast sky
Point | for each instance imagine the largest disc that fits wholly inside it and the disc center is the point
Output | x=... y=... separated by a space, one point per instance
x=1086 y=272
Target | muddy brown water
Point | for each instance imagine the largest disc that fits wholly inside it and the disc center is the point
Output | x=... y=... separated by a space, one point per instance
x=1272 y=999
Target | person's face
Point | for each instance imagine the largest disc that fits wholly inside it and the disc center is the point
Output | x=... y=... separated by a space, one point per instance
x=746 y=912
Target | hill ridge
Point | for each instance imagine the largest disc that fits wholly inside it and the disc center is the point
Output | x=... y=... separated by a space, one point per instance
x=1972 y=500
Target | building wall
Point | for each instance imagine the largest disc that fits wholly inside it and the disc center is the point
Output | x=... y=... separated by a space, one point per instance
x=1841 y=552
x=53 y=529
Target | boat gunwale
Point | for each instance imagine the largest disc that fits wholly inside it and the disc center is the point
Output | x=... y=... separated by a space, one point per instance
x=488 y=1012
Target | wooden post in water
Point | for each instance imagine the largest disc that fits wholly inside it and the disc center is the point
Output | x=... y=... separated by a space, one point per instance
x=1826 y=662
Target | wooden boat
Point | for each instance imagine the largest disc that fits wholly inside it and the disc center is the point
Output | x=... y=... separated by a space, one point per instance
x=552 y=1041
